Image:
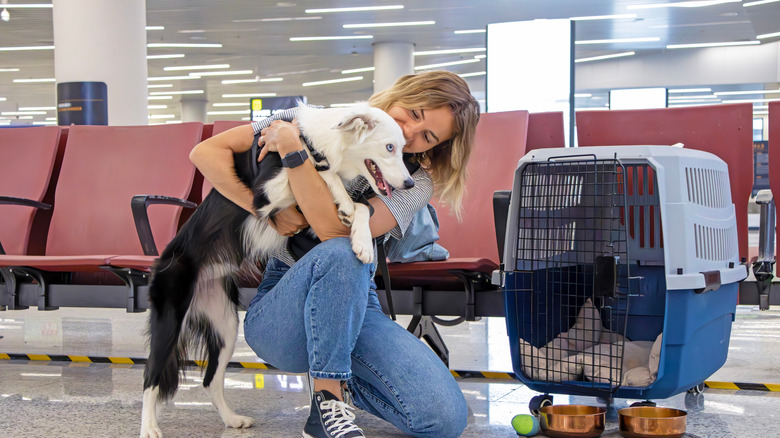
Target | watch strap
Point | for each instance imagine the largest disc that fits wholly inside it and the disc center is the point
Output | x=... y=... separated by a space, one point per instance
x=294 y=159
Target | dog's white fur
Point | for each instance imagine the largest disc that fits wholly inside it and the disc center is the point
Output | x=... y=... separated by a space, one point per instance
x=348 y=137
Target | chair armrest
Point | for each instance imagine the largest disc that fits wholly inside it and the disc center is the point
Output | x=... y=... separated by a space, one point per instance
x=139 y=205
x=12 y=200
x=766 y=231
x=500 y=217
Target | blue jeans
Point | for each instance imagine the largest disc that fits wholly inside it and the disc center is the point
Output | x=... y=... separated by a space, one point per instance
x=323 y=316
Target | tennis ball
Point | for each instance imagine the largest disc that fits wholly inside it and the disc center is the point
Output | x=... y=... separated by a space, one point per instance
x=525 y=425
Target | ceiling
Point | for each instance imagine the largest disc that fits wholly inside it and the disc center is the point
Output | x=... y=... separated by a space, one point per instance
x=255 y=35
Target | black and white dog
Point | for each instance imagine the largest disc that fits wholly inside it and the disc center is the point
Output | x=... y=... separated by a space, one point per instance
x=193 y=291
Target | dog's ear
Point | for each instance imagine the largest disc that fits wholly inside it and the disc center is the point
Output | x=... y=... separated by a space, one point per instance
x=358 y=125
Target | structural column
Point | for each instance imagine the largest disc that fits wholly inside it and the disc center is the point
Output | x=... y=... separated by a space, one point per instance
x=391 y=61
x=193 y=108
x=104 y=41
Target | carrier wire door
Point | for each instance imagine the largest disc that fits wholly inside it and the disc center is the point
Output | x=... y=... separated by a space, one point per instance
x=572 y=248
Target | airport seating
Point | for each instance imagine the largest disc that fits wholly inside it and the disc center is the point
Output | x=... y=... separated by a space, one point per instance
x=545 y=130
x=103 y=169
x=723 y=130
x=774 y=150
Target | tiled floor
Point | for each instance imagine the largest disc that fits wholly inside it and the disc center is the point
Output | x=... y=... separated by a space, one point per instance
x=40 y=399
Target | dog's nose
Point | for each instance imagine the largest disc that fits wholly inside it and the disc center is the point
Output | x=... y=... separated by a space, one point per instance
x=408 y=183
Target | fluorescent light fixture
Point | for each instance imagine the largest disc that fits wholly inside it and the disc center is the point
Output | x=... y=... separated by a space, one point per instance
x=37 y=108
x=262 y=20
x=163 y=93
x=696 y=96
x=398 y=23
x=196 y=67
x=449 y=51
x=191 y=31
x=476 y=73
x=221 y=73
x=768 y=35
x=8 y=69
x=159 y=97
x=460 y=32
x=619 y=40
x=241 y=81
x=230 y=104
x=332 y=81
x=751 y=100
x=690 y=90
x=161 y=116
x=271 y=79
x=327 y=38
x=3 y=99
x=35 y=80
x=357 y=70
x=724 y=44
x=220 y=113
x=159 y=86
x=697 y=100
x=172 y=122
x=480 y=56
x=22 y=113
x=356 y=9
x=156 y=106
x=599 y=58
x=161 y=45
x=228 y=96
x=27 y=6
x=736 y=93
x=155 y=27
x=686 y=4
x=169 y=78
x=603 y=17
x=583 y=95
x=445 y=64
x=760 y=2
x=24 y=48
x=173 y=55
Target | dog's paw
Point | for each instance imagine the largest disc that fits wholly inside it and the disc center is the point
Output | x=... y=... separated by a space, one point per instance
x=239 y=422
x=346 y=214
x=151 y=432
x=363 y=249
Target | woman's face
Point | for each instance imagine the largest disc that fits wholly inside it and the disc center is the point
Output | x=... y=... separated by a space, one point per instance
x=423 y=128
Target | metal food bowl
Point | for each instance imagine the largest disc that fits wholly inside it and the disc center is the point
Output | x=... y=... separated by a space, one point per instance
x=652 y=422
x=572 y=421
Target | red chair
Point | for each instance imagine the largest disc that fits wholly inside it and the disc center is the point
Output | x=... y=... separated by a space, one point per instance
x=774 y=151
x=723 y=130
x=454 y=287
x=28 y=160
x=103 y=168
x=545 y=130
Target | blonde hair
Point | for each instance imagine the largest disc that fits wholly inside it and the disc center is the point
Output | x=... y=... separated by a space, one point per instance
x=447 y=161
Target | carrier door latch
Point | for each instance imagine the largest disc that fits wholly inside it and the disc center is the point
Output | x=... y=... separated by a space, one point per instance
x=711 y=281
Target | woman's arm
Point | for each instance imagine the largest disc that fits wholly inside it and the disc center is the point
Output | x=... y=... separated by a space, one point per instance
x=214 y=158
x=311 y=192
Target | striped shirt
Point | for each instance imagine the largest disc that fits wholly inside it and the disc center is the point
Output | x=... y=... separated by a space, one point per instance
x=403 y=205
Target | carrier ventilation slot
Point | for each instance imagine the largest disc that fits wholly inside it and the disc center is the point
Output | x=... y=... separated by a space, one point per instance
x=714 y=243
x=546 y=192
x=708 y=187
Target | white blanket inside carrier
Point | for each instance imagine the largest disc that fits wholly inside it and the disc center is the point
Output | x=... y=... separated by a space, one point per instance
x=591 y=352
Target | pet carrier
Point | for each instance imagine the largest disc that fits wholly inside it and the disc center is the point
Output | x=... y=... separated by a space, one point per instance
x=620 y=270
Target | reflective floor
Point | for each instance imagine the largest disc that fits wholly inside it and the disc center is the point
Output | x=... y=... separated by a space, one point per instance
x=43 y=399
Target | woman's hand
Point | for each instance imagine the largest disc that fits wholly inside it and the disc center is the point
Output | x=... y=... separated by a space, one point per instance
x=289 y=221
x=282 y=137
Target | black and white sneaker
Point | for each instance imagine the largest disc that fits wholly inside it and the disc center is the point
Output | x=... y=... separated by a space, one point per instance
x=330 y=418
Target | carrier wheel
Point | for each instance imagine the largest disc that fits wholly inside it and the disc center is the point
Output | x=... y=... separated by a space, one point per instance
x=698 y=389
x=646 y=403
x=538 y=402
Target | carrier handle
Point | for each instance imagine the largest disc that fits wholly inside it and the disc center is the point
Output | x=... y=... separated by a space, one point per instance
x=711 y=281
x=569 y=157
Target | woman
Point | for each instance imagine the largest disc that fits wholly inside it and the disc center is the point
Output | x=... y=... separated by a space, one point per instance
x=320 y=314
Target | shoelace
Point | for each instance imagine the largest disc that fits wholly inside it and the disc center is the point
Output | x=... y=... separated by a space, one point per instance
x=338 y=418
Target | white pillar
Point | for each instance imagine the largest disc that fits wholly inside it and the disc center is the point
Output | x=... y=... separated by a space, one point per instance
x=391 y=61
x=104 y=41
x=193 y=109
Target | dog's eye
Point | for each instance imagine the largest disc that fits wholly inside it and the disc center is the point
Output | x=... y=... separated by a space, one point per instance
x=390 y=147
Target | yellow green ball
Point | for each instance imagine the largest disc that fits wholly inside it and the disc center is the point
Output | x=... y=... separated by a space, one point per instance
x=525 y=425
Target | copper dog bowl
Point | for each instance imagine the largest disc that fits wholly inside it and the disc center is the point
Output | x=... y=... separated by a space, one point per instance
x=572 y=421
x=652 y=422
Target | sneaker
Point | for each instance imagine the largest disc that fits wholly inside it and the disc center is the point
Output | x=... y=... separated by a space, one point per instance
x=330 y=418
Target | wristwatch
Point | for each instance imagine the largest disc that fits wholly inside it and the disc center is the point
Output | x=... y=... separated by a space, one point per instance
x=294 y=159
